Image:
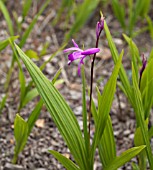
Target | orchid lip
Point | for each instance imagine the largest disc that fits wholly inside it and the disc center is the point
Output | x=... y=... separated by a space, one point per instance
x=77 y=53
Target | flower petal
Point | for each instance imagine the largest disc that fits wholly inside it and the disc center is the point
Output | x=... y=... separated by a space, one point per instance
x=75 y=44
x=72 y=49
x=90 y=51
x=75 y=55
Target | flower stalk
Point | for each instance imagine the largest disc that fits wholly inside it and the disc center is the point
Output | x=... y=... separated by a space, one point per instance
x=99 y=28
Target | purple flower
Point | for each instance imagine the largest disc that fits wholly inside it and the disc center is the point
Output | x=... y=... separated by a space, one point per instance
x=100 y=26
x=79 y=54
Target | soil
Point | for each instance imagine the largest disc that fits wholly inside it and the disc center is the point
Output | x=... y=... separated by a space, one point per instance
x=45 y=135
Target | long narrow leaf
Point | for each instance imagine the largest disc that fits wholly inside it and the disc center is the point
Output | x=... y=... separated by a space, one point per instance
x=7 y=17
x=85 y=128
x=6 y=42
x=26 y=7
x=61 y=113
x=105 y=106
x=124 y=157
x=21 y=135
x=122 y=73
x=139 y=110
x=28 y=31
x=67 y=163
x=34 y=116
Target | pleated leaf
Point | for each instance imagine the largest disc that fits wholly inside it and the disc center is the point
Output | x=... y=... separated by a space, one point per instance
x=105 y=106
x=21 y=135
x=122 y=73
x=134 y=54
x=146 y=88
x=139 y=111
x=67 y=163
x=2 y=103
x=32 y=24
x=85 y=122
x=124 y=158
x=138 y=140
x=34 y=116
x=7 y=17
x=106 y=147
x=26 y=7
x=61 y=113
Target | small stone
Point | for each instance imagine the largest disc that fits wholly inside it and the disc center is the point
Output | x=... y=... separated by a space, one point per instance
x=127 y=132
x=131 y=136
x=10 y=166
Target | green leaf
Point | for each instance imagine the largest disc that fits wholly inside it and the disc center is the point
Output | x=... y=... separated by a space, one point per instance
x=5 y=43
x=122 y=73
x=107 y=147
x=150 y=24
x=44 y=49
x=20 y=134
x=52 y=56
x=32 y=54
x=105 y=106
x=140 y=117
x=30 y=96
x=85 y=122
x=2 y=103
x=81 y=16
x=133 y=48
x=150 y=133
x=30 y=28
x=67 y=163
x=7 y=17
x=56 y=76
x=135 y=166
x=138 y=141
x=26 y=7
x=146 y=85
x=22 y=85
x=124 y=157
x=34 y=116
x=61 y=113
x=119 y=12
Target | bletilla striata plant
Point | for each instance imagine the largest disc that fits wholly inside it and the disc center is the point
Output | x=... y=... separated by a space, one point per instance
x=80 y=146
